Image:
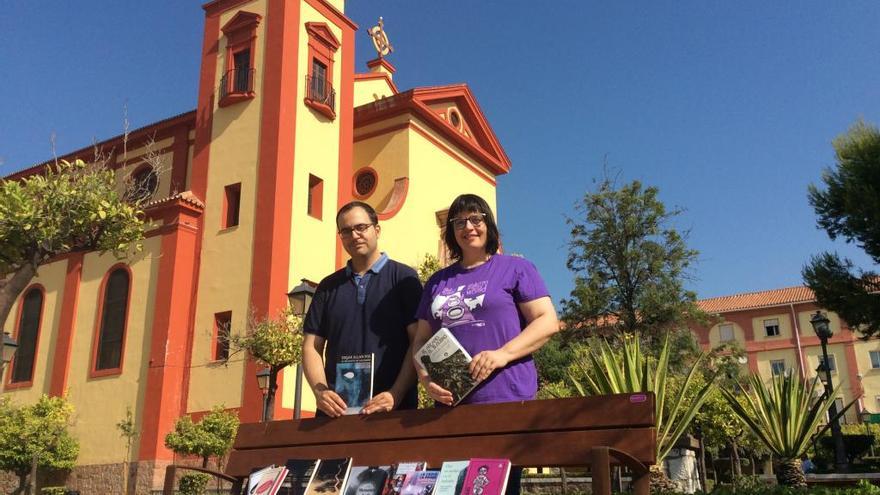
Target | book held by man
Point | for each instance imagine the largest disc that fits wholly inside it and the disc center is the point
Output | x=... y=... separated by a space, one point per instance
x=354 y=381
x=486 y=477
x=446 y=361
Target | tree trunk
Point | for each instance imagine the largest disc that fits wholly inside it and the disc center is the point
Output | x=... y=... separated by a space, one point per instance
x=736 y=467
x=10 y=289
x=789 y=473
x=22 y=482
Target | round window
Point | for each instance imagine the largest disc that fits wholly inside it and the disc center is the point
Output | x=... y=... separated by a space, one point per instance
x=142 y=185
x=454 y=119
x=365 y=182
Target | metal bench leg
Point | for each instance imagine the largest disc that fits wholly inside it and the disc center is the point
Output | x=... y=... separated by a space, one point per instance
x=600 y=466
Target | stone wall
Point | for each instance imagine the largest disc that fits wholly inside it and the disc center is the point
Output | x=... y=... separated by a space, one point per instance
x=103 y=479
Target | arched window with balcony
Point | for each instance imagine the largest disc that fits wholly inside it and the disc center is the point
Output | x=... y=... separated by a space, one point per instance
x=113 y=317
x=27 y=335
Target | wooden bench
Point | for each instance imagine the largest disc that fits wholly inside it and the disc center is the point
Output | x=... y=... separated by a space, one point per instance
x=588 y=431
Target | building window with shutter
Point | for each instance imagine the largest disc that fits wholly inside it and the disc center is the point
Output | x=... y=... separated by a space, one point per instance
x=725 y=333
x=28 y=333
x=112 y=322
x=771 y=327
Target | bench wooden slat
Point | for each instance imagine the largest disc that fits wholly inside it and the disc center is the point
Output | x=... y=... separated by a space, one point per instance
x=581 y=413
x=570 y=448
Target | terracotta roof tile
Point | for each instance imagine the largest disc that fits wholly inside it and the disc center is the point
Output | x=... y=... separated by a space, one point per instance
x=761 y=299
x=185 y=196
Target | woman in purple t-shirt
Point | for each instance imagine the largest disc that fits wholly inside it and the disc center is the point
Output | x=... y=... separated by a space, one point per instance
x=495 y=305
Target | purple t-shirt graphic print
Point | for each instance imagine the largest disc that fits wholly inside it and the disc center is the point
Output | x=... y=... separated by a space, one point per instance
x=479 y=307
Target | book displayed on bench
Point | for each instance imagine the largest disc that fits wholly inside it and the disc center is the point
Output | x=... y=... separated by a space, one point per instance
x=354 y=381
x=329 y=477
x=367 y=480
x=266 y=481
x=486 y=477
x=420 y=482
x=397 y=476
x=299 y=472
x=451 y=478
x=447 y=362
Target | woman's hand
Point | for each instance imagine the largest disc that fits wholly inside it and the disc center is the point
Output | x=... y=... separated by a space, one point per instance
x=486 y=362
x=437 y=392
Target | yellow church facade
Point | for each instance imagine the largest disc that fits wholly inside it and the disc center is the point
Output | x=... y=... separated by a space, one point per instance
x=285 y=131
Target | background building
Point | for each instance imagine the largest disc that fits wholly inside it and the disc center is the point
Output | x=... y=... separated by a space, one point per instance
x=774 y=329
x=284 y=132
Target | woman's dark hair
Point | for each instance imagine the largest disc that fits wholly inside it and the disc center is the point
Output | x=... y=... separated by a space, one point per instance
x=371 y=212
x=470 y=203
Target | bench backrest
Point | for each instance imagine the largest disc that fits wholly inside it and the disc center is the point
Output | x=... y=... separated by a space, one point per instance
x=558 y=432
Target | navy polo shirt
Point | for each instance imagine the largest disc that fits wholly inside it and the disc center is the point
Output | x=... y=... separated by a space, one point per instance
x=391 y=293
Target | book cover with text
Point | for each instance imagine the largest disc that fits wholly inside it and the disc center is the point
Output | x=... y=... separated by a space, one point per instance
x=446 y=361
x=354 y=381
x=366 y=480
x=451 y=478
x=329 y=477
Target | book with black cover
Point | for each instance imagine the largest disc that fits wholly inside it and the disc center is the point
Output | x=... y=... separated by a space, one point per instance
x=446 y=361
x=329 y=477
x=354 y=381
x=299 y=472
x=366 y=480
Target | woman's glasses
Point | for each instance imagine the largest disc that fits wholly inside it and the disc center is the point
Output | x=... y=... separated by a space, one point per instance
x=459 y=223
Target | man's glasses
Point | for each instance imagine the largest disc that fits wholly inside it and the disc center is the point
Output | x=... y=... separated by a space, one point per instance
x=359 y=228
x=459 y=223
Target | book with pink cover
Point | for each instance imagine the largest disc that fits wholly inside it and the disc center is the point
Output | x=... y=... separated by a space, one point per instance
x=486 y=477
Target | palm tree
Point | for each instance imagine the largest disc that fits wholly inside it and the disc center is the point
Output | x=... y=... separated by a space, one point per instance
x=784 y=417
x=632 y=371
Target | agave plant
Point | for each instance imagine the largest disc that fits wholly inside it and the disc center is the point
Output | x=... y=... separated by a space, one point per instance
x=784 y=417
x=630 y=370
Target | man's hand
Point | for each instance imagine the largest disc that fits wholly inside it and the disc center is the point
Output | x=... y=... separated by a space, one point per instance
x=330 y=402
x=486 y=362
x=383 y=402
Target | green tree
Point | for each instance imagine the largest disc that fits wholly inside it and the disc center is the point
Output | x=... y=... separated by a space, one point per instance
x=428 y=266
x=210 y=437
x=275 y=342
x=128 y=431
x=72 y=207
x=629 y=265
x=36 y=436
x=849 y=208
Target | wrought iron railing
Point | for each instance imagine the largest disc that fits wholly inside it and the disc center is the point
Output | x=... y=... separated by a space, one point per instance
x=320 y=90
x=237 y=81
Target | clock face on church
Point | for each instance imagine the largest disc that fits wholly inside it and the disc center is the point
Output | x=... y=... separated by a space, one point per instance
x=365 y=182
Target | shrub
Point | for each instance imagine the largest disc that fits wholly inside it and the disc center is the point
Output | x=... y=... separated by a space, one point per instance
x=194 y=483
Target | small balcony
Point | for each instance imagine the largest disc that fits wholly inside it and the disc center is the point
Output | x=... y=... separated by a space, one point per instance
x=320 y=96
x=236 y=85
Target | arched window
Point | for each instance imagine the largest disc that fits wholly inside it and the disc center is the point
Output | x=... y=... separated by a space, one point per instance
x=114 y=312
x=28 y=331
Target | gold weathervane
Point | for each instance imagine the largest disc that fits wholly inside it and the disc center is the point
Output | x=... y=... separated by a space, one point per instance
x=380 y=39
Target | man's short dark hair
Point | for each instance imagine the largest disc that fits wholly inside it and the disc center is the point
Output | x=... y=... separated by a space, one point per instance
x=371 y=212
x=471 y=203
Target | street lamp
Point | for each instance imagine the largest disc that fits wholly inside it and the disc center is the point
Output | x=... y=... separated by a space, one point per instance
x=263 y=383
x=9 y=348
x=822 y=328
x=300 y=298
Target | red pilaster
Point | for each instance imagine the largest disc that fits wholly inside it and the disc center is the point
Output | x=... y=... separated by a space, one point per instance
x=271 y=261
x=66 y=325
x=167 y=366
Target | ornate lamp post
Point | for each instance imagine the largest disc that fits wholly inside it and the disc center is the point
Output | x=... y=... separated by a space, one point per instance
x=9 y=348
x=822 y=328
x=300 y=298
x=263 y=383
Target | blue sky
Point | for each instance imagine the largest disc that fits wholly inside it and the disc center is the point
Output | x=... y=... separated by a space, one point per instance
x=728 y=107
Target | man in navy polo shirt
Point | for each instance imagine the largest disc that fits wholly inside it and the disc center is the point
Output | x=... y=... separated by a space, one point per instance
x=368 y=306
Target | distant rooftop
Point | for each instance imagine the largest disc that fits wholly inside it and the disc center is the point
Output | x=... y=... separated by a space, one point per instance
x=761 y=299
